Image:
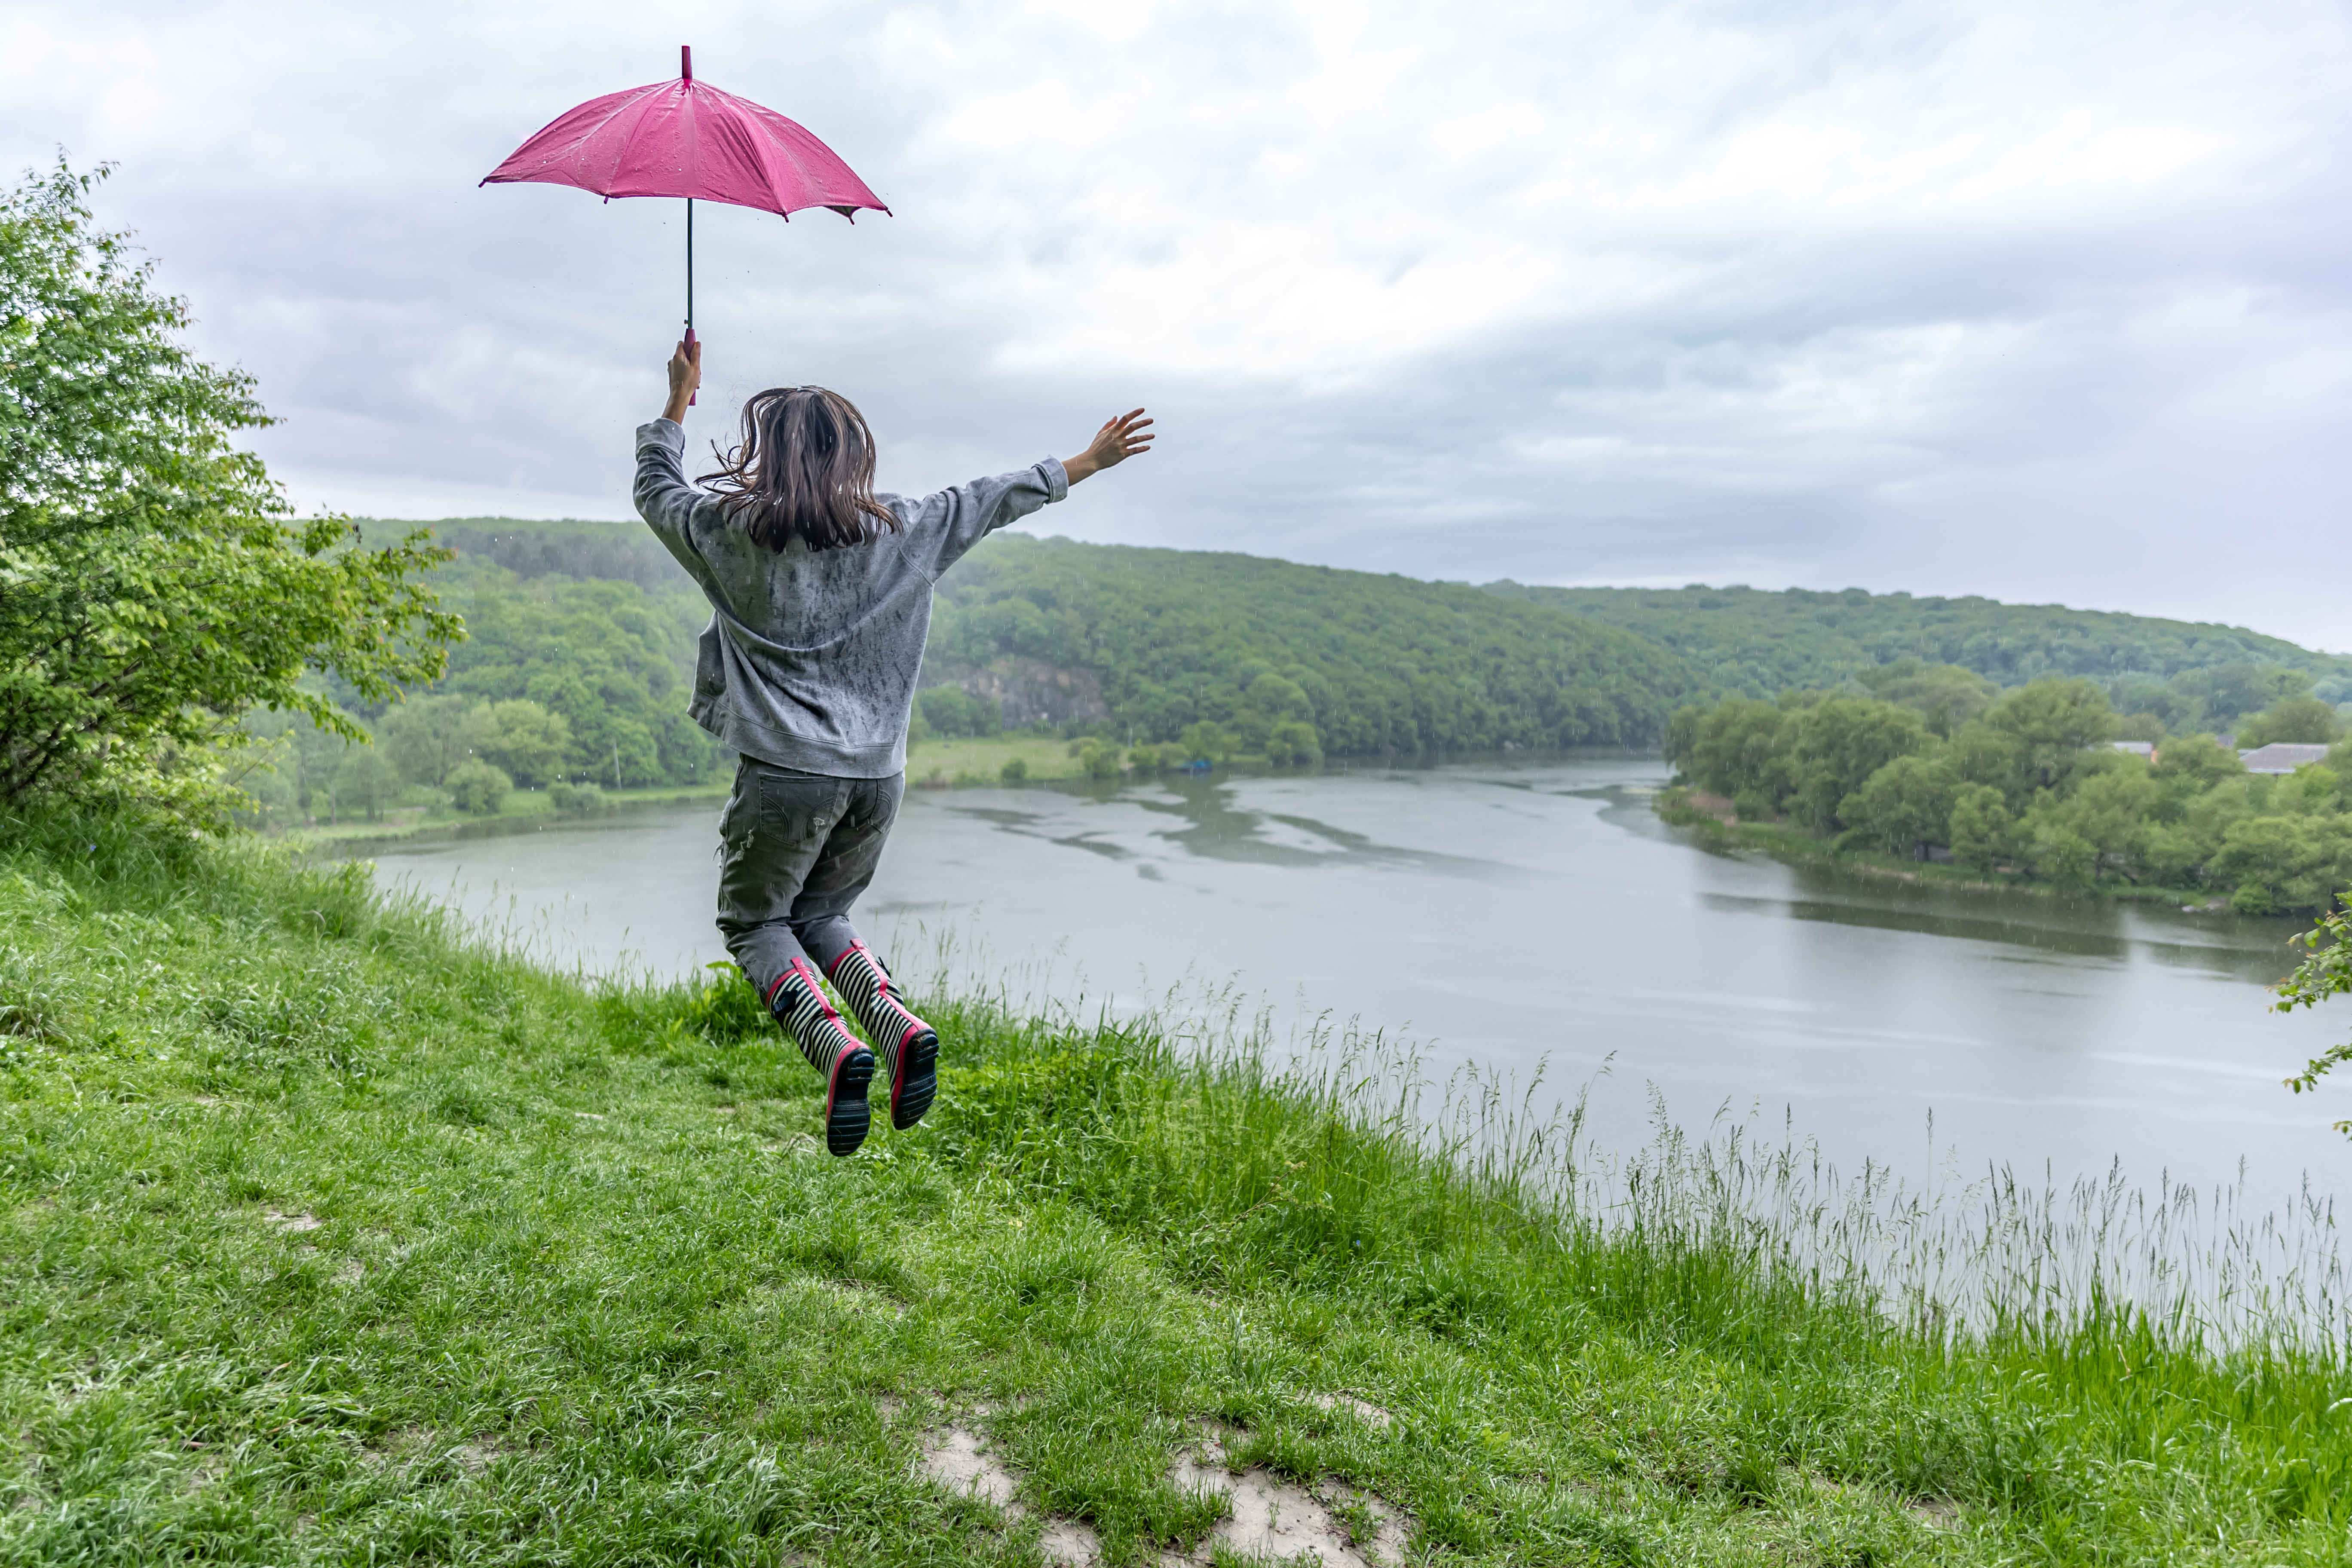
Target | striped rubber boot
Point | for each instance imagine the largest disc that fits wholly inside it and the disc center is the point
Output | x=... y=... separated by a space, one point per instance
x=909 y=1048
x=800 y=1005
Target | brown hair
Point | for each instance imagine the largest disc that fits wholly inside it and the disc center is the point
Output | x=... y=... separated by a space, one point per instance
x=804 y=470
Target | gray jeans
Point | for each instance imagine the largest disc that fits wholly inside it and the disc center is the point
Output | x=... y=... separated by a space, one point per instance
x=795 y=850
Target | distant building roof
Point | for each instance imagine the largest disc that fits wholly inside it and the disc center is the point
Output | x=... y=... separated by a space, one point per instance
x=2136 y=748
x=2281 y=757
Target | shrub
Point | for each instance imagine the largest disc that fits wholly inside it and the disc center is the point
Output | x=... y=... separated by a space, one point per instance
x=1292 y=742
x=1205 y=743
x=1013 y=772
x=518 y=737
x=953 y=713
x=581 y=798
x=478 y=789
x=1099 y=759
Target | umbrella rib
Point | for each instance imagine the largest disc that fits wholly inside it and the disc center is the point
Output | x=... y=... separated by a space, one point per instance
x=645 y=104
x=772 y=137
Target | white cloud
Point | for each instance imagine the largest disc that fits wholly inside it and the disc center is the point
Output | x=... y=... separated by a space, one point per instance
x=2048 y=302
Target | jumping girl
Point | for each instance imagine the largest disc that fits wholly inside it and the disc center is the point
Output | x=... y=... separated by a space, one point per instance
x=819 y=593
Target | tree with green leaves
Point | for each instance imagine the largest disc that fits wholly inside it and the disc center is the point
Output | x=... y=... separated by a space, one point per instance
x=1205 y=743
x=952 y=712
x=156 y=587
x=1983 y=833
x=2326 y=972
x=1293 y=741
x=425 y=738
x=2109 y=810
x=2055 y=723
x=520 y=737
x=2306 y=720
x=1905 y=806
x=1836 y=745
x=365 y=783
x=2282 y=863
x=478 y=788
x=1735 y=748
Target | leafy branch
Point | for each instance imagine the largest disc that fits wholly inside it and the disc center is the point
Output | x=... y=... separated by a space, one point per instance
x=2326 y=973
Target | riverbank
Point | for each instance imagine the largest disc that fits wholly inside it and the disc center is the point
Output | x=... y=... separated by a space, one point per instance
x=522 y=811
x=1718 y=828
x=332 y=1237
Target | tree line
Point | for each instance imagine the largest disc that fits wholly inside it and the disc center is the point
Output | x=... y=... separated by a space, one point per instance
x=1384 y=665
x=1746 y=642
x=1932 y=762
x=1371 y=665
x=560 y=683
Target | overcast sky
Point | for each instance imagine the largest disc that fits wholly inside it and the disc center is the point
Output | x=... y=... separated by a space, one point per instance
x=2048 y=301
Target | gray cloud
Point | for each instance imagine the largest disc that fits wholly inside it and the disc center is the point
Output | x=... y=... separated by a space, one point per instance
x=2049 y=303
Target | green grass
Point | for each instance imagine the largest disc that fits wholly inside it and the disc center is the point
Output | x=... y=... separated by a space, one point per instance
x=939 y=760
x=328 y=1235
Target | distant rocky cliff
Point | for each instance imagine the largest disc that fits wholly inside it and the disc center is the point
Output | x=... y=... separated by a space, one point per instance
x=1026 y=691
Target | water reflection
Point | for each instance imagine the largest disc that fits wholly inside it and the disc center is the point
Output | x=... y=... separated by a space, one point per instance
x=1926 y=922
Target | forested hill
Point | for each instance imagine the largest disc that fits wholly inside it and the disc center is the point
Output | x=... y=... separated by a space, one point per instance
x=1149 y=642
x=624 y=553
x=1174 y=637
x=1131 y=643
x=1748 y=643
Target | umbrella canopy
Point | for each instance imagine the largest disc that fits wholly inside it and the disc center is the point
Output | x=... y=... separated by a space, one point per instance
x=686 y=138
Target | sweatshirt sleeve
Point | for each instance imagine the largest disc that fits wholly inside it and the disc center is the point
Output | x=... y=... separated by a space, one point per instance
x=946 y=525
x=664 y=498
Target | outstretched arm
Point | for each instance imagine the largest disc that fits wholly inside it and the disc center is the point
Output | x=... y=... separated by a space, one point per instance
x=1117 y=441
x=684 y=376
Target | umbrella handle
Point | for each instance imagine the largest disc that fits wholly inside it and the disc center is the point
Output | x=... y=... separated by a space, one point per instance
x=690 y=343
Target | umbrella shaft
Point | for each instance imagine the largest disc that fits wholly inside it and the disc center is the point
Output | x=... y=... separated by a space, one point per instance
x=690 y=264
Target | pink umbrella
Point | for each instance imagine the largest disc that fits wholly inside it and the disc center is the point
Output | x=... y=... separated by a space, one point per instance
x=686 y=138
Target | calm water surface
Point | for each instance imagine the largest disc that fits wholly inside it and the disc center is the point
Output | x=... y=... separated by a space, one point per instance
x=1512 y=915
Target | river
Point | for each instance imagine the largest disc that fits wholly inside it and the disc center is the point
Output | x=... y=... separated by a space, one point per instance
x=1511 y=914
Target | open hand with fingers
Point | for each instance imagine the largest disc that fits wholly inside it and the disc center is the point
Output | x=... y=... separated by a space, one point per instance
x=1118 y=439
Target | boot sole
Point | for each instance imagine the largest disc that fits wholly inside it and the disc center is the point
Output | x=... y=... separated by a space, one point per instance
x=846 y=1114
x=918 y=1078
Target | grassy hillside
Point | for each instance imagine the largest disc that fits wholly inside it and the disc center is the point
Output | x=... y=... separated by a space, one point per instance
x=332 y=1239
x=1748 y=643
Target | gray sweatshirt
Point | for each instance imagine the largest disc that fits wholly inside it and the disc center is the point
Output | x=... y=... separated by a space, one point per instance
x=809 y=659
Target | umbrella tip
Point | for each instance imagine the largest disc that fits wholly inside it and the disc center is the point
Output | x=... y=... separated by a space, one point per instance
x=685 y=61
